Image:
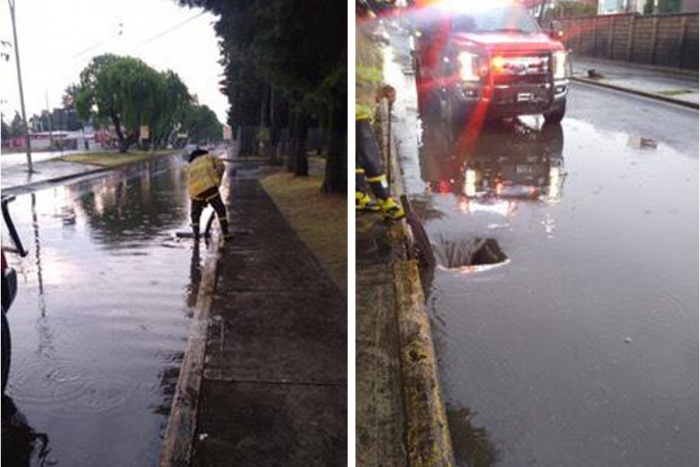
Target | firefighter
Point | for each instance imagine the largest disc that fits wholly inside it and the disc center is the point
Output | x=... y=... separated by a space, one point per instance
x=369 y=90
x=204 y=175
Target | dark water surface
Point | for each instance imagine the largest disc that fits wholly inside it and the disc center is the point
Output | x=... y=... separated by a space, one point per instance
x=582 y=349
x=100 y=322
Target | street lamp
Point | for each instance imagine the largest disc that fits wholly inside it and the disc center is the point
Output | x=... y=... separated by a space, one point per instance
x=21 y=92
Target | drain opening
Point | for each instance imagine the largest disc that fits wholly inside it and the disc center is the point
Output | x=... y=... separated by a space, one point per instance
x=456 y=254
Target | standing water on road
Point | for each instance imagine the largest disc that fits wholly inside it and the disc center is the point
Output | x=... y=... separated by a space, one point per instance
x=582 y=347
x=100 y=322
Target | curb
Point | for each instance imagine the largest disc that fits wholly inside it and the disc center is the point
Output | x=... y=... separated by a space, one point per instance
x=649 y=95
x=428 y=436
x=177 y=446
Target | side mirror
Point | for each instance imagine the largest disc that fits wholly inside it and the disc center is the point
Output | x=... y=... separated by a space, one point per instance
x=556 y=31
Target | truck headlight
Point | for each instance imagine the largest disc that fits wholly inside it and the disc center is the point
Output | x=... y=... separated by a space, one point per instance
x=468 y=66
x=559 y=59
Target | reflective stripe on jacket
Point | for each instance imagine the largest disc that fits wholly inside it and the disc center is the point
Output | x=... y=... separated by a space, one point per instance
x=368 y=74
x=204 y=173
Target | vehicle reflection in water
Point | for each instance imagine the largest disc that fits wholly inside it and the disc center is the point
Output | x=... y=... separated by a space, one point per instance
x=21 y=445
x=509 y=162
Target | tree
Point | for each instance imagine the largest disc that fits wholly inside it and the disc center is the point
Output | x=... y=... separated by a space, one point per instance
x=17 y=128
x=123 y=90
x=571 y=8
x=293 y=50
x=670 y=6
x=5 y=130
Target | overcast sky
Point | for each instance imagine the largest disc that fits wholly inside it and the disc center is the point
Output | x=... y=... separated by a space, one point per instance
x=52 y=34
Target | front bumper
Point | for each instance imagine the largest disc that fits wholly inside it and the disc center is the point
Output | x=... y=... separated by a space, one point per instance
x=509 y=99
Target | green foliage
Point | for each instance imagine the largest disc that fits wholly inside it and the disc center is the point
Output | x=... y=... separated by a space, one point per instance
x=571 y=8
x=649 y=7
x=17 y=126
x=201 y=124
x=127 y=93
x=5 y=131
x=670 y=6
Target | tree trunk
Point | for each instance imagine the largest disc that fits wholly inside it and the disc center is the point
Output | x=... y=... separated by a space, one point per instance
x=292 y=140
x=336 y=177
x=120 y=136
x=301 y=162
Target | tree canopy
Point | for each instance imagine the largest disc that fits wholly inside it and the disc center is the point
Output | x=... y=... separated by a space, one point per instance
x=285 y=56
x=127 y=93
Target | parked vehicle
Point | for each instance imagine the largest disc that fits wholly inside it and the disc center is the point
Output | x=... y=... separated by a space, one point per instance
x=9 y=288
x=488 y=59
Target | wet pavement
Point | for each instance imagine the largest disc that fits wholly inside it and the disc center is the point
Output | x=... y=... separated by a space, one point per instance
x=582 y=347
x=274 y=380
x=101 y=317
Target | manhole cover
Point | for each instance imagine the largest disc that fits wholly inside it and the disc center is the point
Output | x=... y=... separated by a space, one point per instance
x=468 y=252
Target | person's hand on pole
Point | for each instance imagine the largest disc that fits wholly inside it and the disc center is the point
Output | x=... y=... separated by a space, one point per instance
x=387 y=92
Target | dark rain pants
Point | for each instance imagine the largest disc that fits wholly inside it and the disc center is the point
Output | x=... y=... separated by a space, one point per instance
x=213 y=198
x=369 y=168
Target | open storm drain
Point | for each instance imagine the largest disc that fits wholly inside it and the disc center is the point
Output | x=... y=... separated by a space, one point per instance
x=470 y=253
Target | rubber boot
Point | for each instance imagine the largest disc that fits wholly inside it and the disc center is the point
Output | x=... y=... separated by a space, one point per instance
x=225 y=234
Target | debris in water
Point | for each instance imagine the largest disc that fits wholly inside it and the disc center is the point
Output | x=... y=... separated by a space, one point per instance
x=628 y=340
x=593 y=74
x=639 y=142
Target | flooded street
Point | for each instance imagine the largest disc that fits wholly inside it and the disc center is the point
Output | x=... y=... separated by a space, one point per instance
x=100 y=321
x=580 y=348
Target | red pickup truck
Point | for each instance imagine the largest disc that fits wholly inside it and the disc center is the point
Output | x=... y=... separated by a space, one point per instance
x=488 y=59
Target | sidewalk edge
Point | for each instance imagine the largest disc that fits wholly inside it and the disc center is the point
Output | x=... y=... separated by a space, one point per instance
x=661 y=97
x=428 y=436
x=179 y=435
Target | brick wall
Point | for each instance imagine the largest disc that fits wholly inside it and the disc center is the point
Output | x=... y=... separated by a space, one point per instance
x=663 y=40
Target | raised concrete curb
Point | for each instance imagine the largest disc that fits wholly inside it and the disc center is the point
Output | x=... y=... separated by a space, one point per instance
x=429 y=443
x=428 y=436
x=637 y=92
x=179 y=435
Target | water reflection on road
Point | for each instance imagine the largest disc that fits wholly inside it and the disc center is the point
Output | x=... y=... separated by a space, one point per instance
x=582 y=349
x=100 y=320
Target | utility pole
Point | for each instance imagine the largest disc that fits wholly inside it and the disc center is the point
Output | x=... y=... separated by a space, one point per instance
x=27 y=140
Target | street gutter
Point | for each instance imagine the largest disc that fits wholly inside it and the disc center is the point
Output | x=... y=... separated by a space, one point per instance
x=650 y=95
x=428 y=437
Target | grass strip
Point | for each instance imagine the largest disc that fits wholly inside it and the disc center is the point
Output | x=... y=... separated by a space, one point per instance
x=675 y=92
x=319 y=219
x=113 y=159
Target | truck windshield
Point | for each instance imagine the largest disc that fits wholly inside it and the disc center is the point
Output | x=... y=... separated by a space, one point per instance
x=501 y=19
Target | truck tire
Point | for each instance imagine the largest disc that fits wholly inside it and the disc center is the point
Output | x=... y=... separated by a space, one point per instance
x=556 y=113
x=6 y=350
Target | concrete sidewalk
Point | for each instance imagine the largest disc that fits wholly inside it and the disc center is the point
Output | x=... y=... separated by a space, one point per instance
x=669 y=85
x=270 y=386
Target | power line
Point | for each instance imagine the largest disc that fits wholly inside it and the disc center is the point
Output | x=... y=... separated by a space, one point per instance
x=171 y=29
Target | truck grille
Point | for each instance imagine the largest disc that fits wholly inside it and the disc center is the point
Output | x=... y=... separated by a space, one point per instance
x=521 y=69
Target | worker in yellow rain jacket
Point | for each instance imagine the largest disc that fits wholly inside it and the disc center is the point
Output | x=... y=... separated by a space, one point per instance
x=368 y=90
x=203 y=179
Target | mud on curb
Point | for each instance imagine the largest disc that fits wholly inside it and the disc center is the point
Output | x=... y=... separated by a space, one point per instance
x=427 y=436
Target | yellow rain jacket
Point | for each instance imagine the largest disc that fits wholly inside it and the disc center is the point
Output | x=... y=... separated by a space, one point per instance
x=368 y=74
x=204 y=173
